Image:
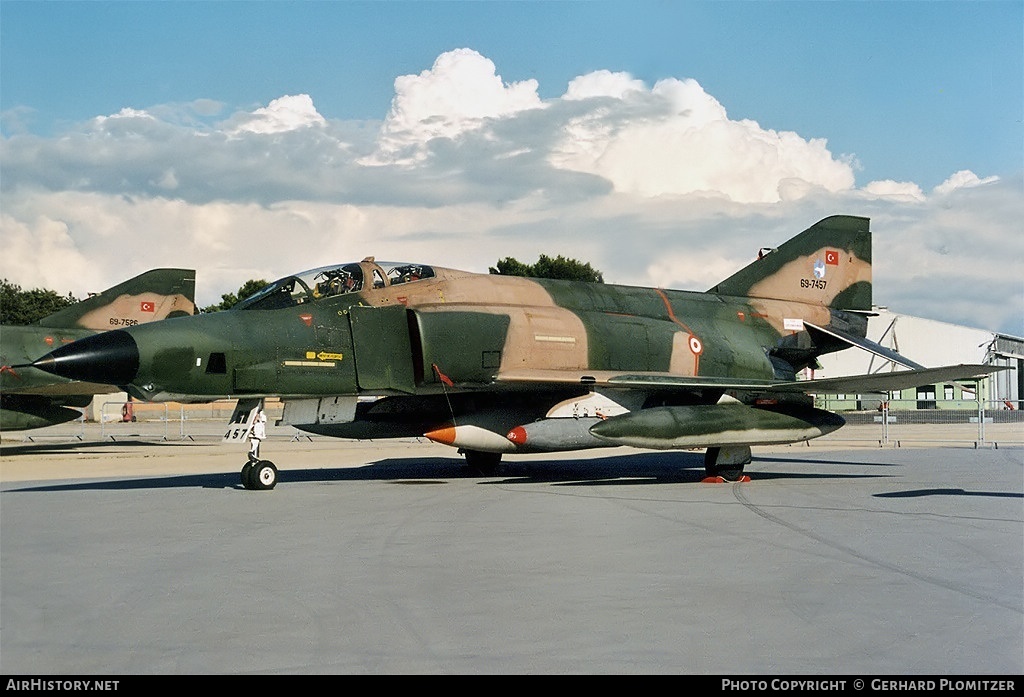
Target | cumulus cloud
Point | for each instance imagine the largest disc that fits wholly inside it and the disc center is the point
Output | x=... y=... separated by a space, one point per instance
x=911 y=192
x=964 y=179
x=126 y=113
x=284 y=114
x=455 y=95
x=603 y=83
x=675 y=139
x=908 y=191
x=652 y=185
x=40 y=253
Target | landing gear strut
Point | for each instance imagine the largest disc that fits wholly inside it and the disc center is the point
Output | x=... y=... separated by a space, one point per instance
x=483 y=462
x=260 y=475
x=727 y=462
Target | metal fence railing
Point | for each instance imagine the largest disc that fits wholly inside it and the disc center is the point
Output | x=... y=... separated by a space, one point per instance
x=174 y=421
x=896 y=422
x=142 y=420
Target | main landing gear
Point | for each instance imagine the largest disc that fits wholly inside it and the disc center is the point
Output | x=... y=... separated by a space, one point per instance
x=725 y=464
x=259 y=475
x=483 y=462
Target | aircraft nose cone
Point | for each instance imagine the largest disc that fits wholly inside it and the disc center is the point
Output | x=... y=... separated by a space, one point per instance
x=110 y=358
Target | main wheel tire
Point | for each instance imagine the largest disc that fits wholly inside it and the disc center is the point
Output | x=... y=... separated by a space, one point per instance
x=483 y=462
x=730 y=473
x=264 y=475
x=727 y=462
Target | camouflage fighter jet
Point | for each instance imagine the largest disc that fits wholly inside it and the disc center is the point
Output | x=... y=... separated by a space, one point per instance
x=495 y=364
x=31 y=398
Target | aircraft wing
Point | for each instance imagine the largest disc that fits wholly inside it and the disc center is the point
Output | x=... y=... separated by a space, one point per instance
x=57 y=390
x=875 y=382
x=885 y=382
x=611 y=378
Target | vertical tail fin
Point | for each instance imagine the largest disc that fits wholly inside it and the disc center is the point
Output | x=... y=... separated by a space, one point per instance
x=827 y=264
x=154 y=295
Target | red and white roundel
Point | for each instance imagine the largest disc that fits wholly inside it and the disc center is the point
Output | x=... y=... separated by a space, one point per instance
x=695 y=345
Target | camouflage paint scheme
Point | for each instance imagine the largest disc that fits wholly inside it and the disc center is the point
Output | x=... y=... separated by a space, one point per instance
x=31 y=398
x=493 y=364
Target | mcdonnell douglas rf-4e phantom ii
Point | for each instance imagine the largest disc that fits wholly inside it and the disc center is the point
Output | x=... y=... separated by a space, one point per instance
x=495 y=364
x=30 y=398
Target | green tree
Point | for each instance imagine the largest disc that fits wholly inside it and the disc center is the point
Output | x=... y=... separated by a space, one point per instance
x=21 y=307
x=546 y=267
x=229 y=300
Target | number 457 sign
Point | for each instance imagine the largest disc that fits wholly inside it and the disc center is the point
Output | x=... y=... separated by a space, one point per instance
x=241 y=420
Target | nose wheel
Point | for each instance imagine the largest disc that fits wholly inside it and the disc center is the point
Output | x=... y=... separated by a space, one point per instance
x=260 y=475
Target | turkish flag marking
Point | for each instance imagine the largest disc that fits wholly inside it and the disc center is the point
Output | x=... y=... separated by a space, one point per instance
x=147 y=306
x=831 y=257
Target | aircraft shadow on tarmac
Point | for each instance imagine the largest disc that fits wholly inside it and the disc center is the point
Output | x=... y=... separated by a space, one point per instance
x=625 y=470
x=948 y=492
x=77 y=445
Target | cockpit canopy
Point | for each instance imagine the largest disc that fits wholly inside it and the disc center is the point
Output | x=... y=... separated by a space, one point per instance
x=326 y=281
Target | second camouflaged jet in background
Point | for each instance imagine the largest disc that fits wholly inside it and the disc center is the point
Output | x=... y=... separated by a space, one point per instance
x=496 y=365
x=30 y=398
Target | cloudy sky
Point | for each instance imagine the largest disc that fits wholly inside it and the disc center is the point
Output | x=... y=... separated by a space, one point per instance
x=663 y=142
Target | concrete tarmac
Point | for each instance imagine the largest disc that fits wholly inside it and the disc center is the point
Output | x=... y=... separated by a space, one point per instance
x=142 y=558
